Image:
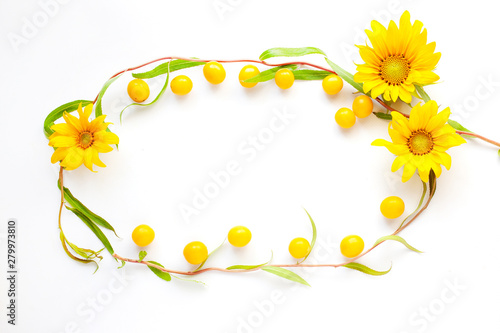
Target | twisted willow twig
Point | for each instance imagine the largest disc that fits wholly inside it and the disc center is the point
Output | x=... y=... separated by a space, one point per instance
x=303 y=63
x=187 y=273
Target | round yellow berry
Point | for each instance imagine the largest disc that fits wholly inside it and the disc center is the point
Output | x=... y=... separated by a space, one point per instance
x=352 y=246
x=345 y=118
x=239 y=236
x=214 y=72
x=246 y=73
x=284 y=78
x=195 y=253
x=362 y=106
x=138 y=90
x=181 y=85
x=332 y=84
x=143 y=235
x=299 y=247
x=392 y=207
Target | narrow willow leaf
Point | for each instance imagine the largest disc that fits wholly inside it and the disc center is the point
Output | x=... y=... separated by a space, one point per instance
x=499 y=152
x=421 y=92
x=424 y=192
x=95 y=229
x=289 y=52
x=459 y=127
x=98 y=103
x=285 y=273
x=161 y=274
x=165 y=85
x=348 y=77
x=213 y=251
x=383 y=115
x=85 y=253
x=123 y=264
x=310 y=74
x=58 y=113
x=190 y=280
x=161 y=69
x=247 y=267
x=397 y=239
x=268 y=74
x=142 y=255
x=64 y=242
x=365 y=269
x=75 y=203
x=315 y=234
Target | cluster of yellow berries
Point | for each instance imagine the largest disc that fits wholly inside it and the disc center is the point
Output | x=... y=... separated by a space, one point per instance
x=196 y=252
x=215 y=73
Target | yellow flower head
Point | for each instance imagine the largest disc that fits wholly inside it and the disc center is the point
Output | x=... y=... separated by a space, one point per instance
x=79 y=141
x=399 y=59
x=421 y=141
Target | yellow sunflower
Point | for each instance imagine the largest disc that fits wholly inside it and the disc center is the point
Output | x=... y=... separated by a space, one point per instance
x=79 y=141
x=399 y=59
x=421 y=141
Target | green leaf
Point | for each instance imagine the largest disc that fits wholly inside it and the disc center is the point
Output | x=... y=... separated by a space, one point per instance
x=190 y=280
x=161 y=69
x=247 y=267
x=268 y=74
x=165 y=85
x=397 y=239
x=64 y=243
x=383 y=115
x=58 y=113
x=142 y=255
x=75 y=203
x=421 y=92
x=203 y=263
x=459 y=127
x=315 y=234
x=98 y=103
x=365 y=269
x=285 y=273
x=95 y=229
x=310 y=74
x=161 y=274
x=289 y=52
x=348 y=77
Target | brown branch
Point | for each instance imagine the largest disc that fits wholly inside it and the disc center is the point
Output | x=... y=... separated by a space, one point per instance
x=479 y=137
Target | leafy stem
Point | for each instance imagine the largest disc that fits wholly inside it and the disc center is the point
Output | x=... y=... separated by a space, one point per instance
x=430 y=190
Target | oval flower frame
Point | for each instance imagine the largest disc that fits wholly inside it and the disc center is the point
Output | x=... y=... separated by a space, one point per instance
x=399 y=63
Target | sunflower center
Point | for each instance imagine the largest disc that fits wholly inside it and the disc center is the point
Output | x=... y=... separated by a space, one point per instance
x=394 y=70
x=420 y=143
x=86 y=139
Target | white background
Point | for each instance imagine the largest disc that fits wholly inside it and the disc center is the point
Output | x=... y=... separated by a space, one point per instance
x=168 y=150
